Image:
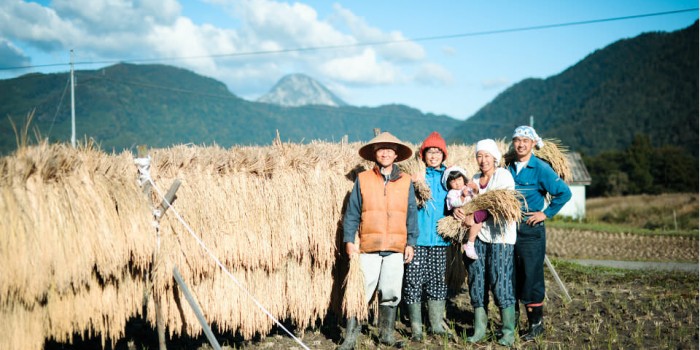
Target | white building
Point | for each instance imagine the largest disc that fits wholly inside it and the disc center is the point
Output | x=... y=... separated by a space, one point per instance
x=576 y=207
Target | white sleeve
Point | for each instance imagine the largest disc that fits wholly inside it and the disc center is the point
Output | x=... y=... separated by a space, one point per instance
x=454 y=199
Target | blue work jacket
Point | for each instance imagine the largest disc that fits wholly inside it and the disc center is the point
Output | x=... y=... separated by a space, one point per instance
x=534 y=181
x=433 y=210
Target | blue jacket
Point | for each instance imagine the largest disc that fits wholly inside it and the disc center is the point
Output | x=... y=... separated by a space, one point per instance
x=432 y=210
x=534 y=181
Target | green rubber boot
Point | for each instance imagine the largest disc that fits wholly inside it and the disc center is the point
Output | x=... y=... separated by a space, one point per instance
x=508 y=331
x=436 y=312
x=480 y=321
x=414 y=315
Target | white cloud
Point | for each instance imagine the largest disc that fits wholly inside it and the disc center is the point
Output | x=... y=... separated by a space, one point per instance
x=495 y=83
x=152 y=29
x=107 y=16
x=360 y=69
x=11 y=56
x=401 y=51
x=36 y=24
x=434 y=74
x=449 y=50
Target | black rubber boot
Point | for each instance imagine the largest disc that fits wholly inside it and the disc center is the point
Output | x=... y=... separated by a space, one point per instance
x=414 y=315
x=535 y=324
x=352 y=331
x=387 y=324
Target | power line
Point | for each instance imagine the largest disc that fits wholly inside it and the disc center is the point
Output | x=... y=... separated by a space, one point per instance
x=376 y=43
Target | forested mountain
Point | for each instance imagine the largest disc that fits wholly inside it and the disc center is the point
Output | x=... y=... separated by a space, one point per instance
x=647 y=85
x=124 y=105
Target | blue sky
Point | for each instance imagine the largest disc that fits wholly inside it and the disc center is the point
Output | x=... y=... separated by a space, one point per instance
x=456 y=72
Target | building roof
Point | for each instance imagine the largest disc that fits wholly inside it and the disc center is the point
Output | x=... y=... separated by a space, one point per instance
x=579 y=173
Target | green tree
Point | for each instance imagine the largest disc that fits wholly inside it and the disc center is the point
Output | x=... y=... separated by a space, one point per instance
x=638 y=165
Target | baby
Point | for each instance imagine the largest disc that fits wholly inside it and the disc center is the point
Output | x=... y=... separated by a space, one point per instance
x=462 y=191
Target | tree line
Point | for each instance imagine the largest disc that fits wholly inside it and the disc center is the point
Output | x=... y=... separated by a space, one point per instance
x=642 y=169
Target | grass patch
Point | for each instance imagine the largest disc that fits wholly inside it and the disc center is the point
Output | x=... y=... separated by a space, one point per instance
x=616 y=228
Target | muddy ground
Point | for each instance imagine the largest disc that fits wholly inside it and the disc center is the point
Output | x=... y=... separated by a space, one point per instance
x=610 y=308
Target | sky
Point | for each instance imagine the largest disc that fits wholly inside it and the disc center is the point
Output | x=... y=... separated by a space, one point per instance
x=441 y=57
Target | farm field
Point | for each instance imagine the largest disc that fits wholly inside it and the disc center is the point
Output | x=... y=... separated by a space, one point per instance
x=610 y=308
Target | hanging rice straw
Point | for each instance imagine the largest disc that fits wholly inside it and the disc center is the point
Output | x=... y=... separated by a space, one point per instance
x=456 y=272
x=354 y=303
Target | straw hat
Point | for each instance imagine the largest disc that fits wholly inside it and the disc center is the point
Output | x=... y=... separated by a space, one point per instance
x=403 y=152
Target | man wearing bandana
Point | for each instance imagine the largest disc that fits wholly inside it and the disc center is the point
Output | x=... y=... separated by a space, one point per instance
x=534 y=179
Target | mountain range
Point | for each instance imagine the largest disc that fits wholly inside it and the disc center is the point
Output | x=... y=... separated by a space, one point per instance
x=647 y=84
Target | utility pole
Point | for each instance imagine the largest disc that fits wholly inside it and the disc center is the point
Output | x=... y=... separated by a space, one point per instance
x=72 y=102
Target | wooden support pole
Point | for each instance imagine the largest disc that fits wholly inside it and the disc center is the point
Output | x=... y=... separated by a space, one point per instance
x=160 y=324
x=170 y=197
x=556 y=277
x=197 y=311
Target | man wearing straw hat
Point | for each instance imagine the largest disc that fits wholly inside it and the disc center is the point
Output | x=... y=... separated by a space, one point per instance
x=534 y=179
x=382 y=209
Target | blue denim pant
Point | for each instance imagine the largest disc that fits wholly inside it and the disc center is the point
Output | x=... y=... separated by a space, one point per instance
x=529 y=263
x=492 y=271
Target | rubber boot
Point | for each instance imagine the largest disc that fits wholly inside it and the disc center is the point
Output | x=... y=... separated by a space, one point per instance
x=414 y=315
x=436 y=312
x=387 y=324
x=534 y=321
x=508 y=330
x=352 y=331
x=480 y=321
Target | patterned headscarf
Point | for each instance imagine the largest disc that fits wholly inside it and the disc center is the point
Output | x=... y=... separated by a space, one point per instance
x=529 y=132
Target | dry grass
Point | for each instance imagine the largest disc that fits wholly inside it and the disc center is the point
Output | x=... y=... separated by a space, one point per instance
x=554 y=153
x=502 y=205
x=354 y=302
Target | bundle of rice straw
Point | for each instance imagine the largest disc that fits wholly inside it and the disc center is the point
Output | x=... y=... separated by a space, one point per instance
x=414 y=166
x=554 y=153
x=456 y=272
x=354 y=304
x=502 y=205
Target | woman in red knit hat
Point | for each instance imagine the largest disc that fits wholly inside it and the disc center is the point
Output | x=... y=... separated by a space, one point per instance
x=426 y=273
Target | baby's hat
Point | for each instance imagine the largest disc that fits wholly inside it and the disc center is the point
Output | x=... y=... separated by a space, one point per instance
x=453 y=169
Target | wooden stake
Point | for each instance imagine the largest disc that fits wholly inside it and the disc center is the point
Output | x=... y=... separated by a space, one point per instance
x=197 y=311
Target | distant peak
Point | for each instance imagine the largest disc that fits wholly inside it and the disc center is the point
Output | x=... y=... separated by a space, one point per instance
x=296 y=90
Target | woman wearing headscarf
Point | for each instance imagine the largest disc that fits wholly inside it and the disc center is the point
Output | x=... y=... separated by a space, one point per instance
x=495 y=243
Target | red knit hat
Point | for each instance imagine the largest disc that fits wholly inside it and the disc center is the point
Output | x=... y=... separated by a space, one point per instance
x=434 y=140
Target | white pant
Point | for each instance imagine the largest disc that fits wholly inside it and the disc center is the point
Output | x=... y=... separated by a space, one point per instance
x=385 y=274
